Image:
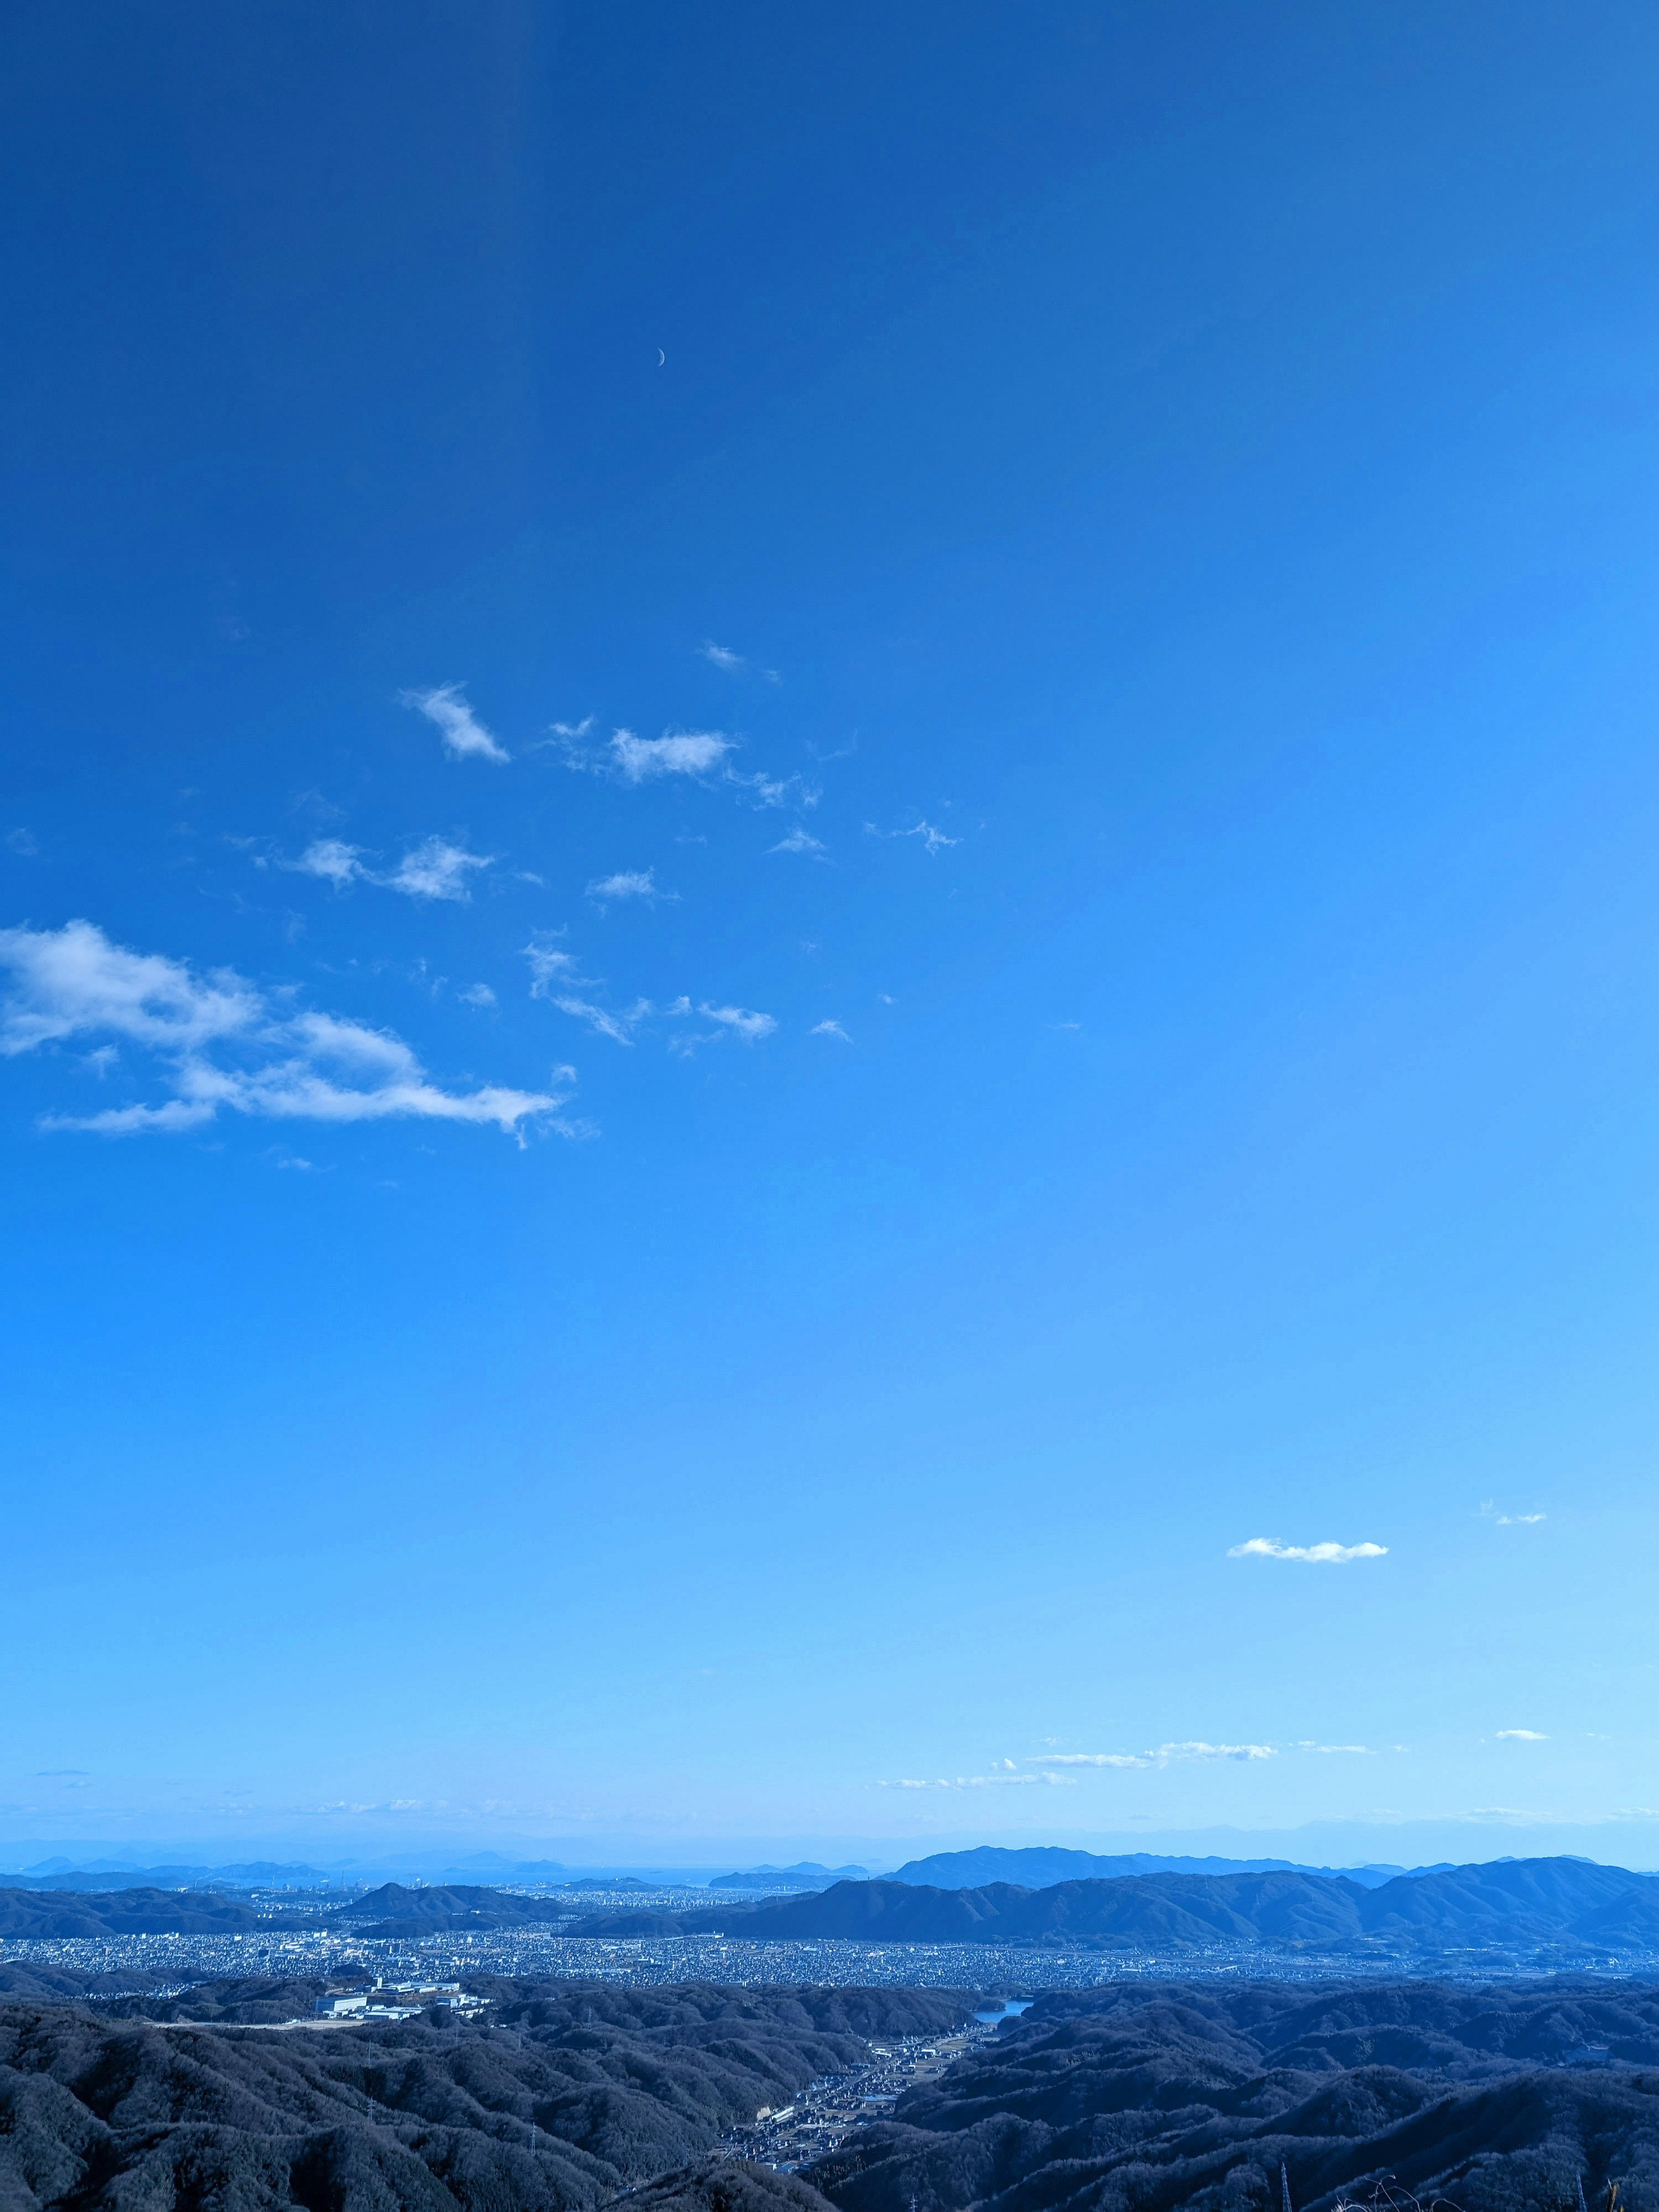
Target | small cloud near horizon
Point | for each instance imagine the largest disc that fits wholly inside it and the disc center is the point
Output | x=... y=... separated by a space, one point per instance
x=1520 y=1736
x=1165 y=1755
x=1319 y=1555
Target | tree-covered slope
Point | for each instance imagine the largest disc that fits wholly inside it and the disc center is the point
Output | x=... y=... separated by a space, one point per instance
x=1158 y=2096
x=578 y=2091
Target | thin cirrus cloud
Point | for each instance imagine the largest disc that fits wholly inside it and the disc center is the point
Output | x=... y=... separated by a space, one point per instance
x=704 y=756
x=1167 y=1754
x=464 y=735
x=1520 y=1735
x=555 y=975
x=829 y=1030
x=644 y=760
x=1314 y=1555
x=433 y=869
x=217 y=1043
x=980 y=1782
x=629 y=883
x=798 y=840
x=735 y=664
x=933 y=840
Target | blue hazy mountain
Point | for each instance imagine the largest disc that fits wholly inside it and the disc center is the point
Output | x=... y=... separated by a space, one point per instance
x=1041 y=1866
x=806 y=1873
x=1510 y=1902
x=248 y=1874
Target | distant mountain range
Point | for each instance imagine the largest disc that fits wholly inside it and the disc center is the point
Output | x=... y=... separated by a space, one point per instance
x=1516 y=1903
x=251 y=1873
x=1042 y=1867
x=806 y=1873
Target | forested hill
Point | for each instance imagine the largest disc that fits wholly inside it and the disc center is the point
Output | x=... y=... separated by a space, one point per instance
x=1525 y=1902
x=1160 y=2095
x=590 y=2089
x=46 y=1914
x=392 y=1910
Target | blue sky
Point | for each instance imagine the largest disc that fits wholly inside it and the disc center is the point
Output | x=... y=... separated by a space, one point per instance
x=831 y=836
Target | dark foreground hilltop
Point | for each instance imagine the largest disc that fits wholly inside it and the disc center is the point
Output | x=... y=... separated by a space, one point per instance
x=1133 y=2098
x=1145 y=2097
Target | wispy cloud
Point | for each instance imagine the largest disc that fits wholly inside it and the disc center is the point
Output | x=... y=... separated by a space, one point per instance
x=829 y=1030
x=1520 y=1736
x=1167 y=1754
x=933 y=840
x=739 y=1021
x=433 y=869
x=219 y=1043
x=979 y=1782
x=554 y=975
x=464 y=735
x=332 y=858
x=677 y=752
x=619 y=1027
x=551 y=966
x=1489 y=1512
x=476 y=994
x=1317 y=1555
x=704 y=756
x=22 y=842
x=436 y=870
x=734 y=664
x=798 y=840
x=629 y=883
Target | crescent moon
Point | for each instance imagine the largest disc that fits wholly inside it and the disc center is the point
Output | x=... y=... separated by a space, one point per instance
x=662 y=358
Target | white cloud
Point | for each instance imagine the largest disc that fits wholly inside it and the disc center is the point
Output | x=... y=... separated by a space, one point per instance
x=935 y=841
x=21 y=841
x=333 y=860
x=1520 y=1736
x=683 y=752
x=223 y=1044
x=464 y=735
x=829 y=1028
x=1320 y=1555
x=629 y=883
x=618 y=1026
x=549 y=966
x=435 y=870
x=697 y=753
x=982 y=1781
x=739 y=1021
x=1521 y=1520
x=734 y=664
x=476 y=994
x=798 y=840
x=1166 y=1754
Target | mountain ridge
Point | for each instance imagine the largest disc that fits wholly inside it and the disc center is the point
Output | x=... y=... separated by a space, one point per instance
x=1527 y=1902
